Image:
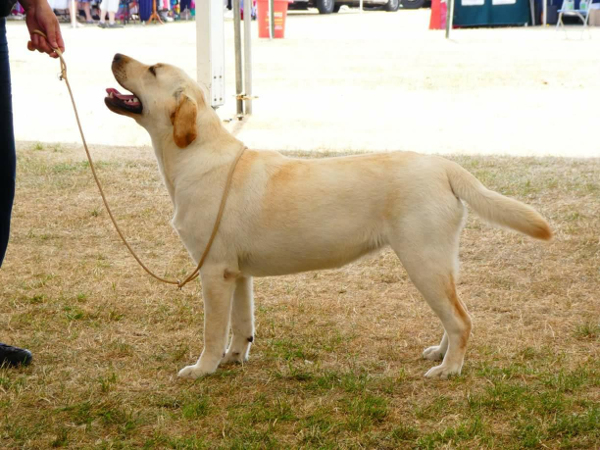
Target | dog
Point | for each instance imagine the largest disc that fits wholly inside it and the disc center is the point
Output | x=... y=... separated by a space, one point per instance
x=286 y=215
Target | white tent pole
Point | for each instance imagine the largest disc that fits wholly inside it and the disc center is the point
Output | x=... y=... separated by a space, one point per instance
x=449 y=16
x=210 y=50
x=237 y=38
x=545 y=12
x=73 y=14
x=248 y=57
x=271 y=19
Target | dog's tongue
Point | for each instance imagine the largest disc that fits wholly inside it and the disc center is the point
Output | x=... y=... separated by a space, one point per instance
x=129 y=99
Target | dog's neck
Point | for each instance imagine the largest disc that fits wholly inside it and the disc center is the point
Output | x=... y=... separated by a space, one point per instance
x=214 y=147
x=164 y=166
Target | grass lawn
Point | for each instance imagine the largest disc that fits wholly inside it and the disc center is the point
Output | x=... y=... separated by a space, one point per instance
x=108 y=340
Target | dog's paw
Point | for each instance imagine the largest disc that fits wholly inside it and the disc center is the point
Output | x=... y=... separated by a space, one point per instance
x=434 y=353
x=443 y=371
x=233 y=357
x=193 y=372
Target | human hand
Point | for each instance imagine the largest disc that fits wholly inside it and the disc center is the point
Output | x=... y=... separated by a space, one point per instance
x=39 y=16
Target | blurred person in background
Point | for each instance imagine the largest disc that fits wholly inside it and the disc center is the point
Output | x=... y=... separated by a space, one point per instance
x=86 y=4
x=112 y=6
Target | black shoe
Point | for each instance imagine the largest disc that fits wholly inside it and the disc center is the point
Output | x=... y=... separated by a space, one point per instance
x=14 y=356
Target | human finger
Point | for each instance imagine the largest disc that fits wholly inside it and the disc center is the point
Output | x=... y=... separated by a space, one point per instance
x=51 y=33
x=59 y=40
x=43 y=46
x=35 y=41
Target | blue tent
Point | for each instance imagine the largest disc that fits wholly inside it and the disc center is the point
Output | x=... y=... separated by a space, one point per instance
x=469 y=13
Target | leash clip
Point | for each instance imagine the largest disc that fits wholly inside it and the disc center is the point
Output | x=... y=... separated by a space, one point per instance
x=245 y=97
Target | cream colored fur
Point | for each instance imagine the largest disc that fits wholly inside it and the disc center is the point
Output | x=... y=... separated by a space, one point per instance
x=287 y=215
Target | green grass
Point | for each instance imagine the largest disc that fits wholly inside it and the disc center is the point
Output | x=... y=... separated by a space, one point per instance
x=588 y=330
x=547 y=410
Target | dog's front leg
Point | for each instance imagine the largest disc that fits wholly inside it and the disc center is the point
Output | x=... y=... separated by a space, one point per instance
x=242 y=322
x=217 y=291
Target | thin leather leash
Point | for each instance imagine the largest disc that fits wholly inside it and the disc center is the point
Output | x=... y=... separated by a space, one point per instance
x=194 y=274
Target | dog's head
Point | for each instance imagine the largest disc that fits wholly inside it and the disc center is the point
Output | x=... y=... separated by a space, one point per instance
x=164 y=98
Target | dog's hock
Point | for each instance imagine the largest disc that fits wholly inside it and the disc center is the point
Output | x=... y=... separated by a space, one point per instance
x=184 y=121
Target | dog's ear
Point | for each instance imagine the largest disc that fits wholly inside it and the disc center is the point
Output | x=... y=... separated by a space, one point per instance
x=184 y=121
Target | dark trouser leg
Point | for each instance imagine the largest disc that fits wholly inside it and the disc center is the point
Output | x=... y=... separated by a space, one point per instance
x=9 y=356
x=8 y=157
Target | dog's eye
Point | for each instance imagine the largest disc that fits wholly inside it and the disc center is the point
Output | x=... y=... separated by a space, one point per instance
x=152 y=70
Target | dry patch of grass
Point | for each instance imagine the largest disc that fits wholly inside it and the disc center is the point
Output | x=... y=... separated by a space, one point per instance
x=108 y=341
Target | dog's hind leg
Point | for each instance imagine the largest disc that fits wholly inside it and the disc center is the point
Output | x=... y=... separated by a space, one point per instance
x=435 y=280
x=457 y=325
x=429 y=253
x=437 y=352
x=242 y=322
x=217 y=291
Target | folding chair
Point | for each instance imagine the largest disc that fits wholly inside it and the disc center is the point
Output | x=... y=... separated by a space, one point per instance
x=568 y=9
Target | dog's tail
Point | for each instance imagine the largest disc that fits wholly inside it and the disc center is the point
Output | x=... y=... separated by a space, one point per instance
x=495 y=207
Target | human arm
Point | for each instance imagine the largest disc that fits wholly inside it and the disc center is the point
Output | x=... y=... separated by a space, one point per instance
x=39 y=16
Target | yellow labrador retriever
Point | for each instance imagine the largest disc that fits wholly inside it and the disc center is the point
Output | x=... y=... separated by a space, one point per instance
x=286 y=215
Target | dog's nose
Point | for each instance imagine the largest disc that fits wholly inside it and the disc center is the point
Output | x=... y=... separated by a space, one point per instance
x=117 y=58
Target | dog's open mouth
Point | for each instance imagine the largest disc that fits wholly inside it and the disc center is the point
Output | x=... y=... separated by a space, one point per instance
x=121 y=102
